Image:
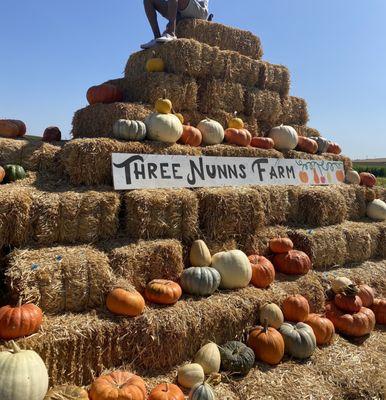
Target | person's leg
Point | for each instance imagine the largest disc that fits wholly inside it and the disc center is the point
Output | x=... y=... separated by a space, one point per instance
x=151 y=8
x=173 y=7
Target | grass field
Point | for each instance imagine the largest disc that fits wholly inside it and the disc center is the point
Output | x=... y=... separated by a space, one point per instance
x=381 y=181
x=376 y=167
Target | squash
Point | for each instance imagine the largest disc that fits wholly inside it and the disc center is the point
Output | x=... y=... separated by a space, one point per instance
x=294 y=262
x=67 y=392
x=262 y=143
x=120 y=385
x=163 y=291
x=307 y=145
x=234 y=268
x=236 y=357
x=299 y=339
x=14 y=172
x=263 y=272
x=339 y=284
x=323 y=328
x=235 y=122
x=199 y=255
x=212 y=131
x=155 y=65
x=353 y=177
x=124 y=302
x=239 y=137
x=200 y=281
x=2 y=174
x=272 y=314
x=267 y=344
x=23 y=375
x=334 y=148
x=295 y=308
x=12 y=128
x=52 y=134
x=164 y=106
x=165 y=128
x=22 y=320
x=284 y=137
x=126 y=129
x=202 y=391
x=367 y=179
x=366 y=294
x=190 y=136
x=166 y=391
x=379 y=309
x=280 y=245
x=348 y=300
x=190 y=374
x=105 y=93
x=323 y=144
x=376 y=210
x=209 y=358
x=180 y=117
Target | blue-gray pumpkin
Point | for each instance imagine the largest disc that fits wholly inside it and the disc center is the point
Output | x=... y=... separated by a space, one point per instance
x=200 y=281
x=126 y=129
x=299 y=339
x=202 y=391
x=236 y=357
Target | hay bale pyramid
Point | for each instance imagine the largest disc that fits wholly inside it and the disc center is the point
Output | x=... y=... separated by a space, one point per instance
x=68 y=238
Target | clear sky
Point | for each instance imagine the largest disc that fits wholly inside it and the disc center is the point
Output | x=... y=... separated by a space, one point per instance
x=52 y=51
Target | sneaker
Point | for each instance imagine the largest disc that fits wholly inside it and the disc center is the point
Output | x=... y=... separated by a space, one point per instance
x=149 y=45
x=166 y=37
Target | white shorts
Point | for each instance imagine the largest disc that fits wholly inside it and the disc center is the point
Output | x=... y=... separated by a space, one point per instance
x=194 y=10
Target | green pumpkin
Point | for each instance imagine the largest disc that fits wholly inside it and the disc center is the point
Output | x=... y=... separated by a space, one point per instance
x=14 y=172
x=202 y=391
x=200 y=281
x=299 y=339
x=125 y=129
x=236 y=357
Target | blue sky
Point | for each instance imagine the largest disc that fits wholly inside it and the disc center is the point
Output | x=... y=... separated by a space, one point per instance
x=52 y=51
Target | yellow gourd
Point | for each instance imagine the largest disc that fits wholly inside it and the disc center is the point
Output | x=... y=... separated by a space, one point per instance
x=235 y=122
x=155 y=65
x=164 y=105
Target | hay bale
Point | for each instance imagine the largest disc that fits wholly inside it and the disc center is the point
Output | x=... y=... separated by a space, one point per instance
x=275 y=78
x=259 y=242
x=222 y=36
x=161 y=214
x=294 y=111
x=59 y=279
x=355 y=198
x=306 y=131
x=11 y=150
x=223 y=150
x=264 y=105
x=97 y=120
x=42 y=157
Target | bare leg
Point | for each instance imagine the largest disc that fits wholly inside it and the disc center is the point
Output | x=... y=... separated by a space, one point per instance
x=173 y=6
x=151 y=8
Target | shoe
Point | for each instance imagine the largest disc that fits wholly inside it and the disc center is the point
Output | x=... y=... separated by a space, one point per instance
x=149 y=45
x=166 y=37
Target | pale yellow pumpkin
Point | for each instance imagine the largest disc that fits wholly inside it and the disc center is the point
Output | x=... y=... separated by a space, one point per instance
x=190 y=374
x=209 y=358
x=339 y=284
x=165 y=128
x=199 y=254
x=235 y=122
x=284 y=137
x=353 y=177
x=180 y=117
x=376 y=210
x=272 y=314
x=212 y=131
x=163 y=106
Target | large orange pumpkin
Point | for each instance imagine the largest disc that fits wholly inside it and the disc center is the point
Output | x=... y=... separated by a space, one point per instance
x=323 y=328
x=120 y=385
x=307 y=145
x=357 y=324
x=262 y=143
x=281 y=245
x=19 y=321
x=163 y=291
x=295 y=308
x=379 y=309
x=124 y=302
x=105 y=93
x=294 y=262
x=12 y=128
x=166 y=391
x=366 y=294
x=263 y=272
x=191 y=136
x=240 y=137
x=334 y=148
x=367 y=179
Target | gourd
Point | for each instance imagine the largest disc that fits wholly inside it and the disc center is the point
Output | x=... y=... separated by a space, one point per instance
x=323 y=328
x=353 y=177
x=120 y=385
x=348 y=300
x=52 y=134
x=234 y=268
x=280 y=245
x=209 y=358
x=190 y=374
x=23 y=375
x=164 y=106
x=307 y=145
x=339 y=284
x=212 y=131
x=22 y=320
x=284 y=137
x=163 y=291
x=263 y=272
x=199 y=255
x=2 y=174
x=239 y=137
x=235 y=122
x=66 y=392
x=367 y=179
x=166 y=391
x=376 y=210
x=202 y=391
x=12 y=128
x=191 y=136
x=299 y=339
x=267 y=344
x=272 y=314
x=126 y=129
x=295 y=308
x=165 y=128
x=262 y=143
x=236 y=357
x=155 y=65
x=294 y=262
x=105 y=93
x=200 y=281
x=366 y=294
x=334 y=148
x=379 y=309
x=14 y=172
x=124 y=302
x=180 y=117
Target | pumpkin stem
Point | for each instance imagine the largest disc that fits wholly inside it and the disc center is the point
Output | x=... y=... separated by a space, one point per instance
x=166 y=387
x=20 y=302
x=265 y=325
x=16 y=349
x=164 y=96
x=235 y=114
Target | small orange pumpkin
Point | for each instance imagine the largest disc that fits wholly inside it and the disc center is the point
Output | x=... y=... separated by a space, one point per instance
x=294 y=262
x=366 y=294
x=307 y=145
x=262 y=143
x=191 y=136
x=295 y=308
x=379 y=309
x=166 y=391
x=124 y=302
x=240 y=137
x=323 y=328
x=263 y=272
x=105 y=93
x=163 y=291
x=334 y=148
x=349 y=301
x=2 y=174
x=281 y=245
x=367 y=179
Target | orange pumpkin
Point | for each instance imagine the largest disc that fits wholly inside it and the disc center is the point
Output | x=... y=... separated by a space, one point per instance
x=307 y=145
x=294 y=262
x=295 y=308
x=366 y=294
x=191 y=136
x=348 y=300
x=240 y=137
x=19 y=321
x=333 y=148
x=357 y=324
x=379 y=309
x=263 y=272
x=166 y=391
x=105 y=93
x=262 y=143
x=323 y=328
x=367 y=179
x=124 y=302
x=12 y=128
x=281 y=245
x=162 y=291
x=2 y=174
x=267 y=344
x=120 y=385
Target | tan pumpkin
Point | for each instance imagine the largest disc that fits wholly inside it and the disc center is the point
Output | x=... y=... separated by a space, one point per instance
x=263 y=272
x=262 y=143
x=285 y=137
x=199 y=254
x=239 y=137
x=366 y=294
x=163 y=291
x=165 y=128
x=180 y=117
x=295 y=308
x=166 y=391
x=209 y=358
x=124 y=302
x=272 y=314
x=280 y=245
x=190 y=136
x=294 y=262
x=67 y=392
x=339 y=284
x=190 y=374
x=376 y=210
x=307 y=145
x=353 y=177
x=323 y=328
x=379 y=309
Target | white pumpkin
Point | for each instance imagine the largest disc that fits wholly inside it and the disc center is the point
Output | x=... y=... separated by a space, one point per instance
x=202 y=391
x=209 y=358
x=212 y=131
x=165 y=128
x=234 y=268
x=126 y=129
x=190 y=374
x=339 y=284
x=272 y=314
x=285 y=137
x=199 y=254
x=323 y=144
x=376 y=210
x=23 y=375
x=353 y=177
